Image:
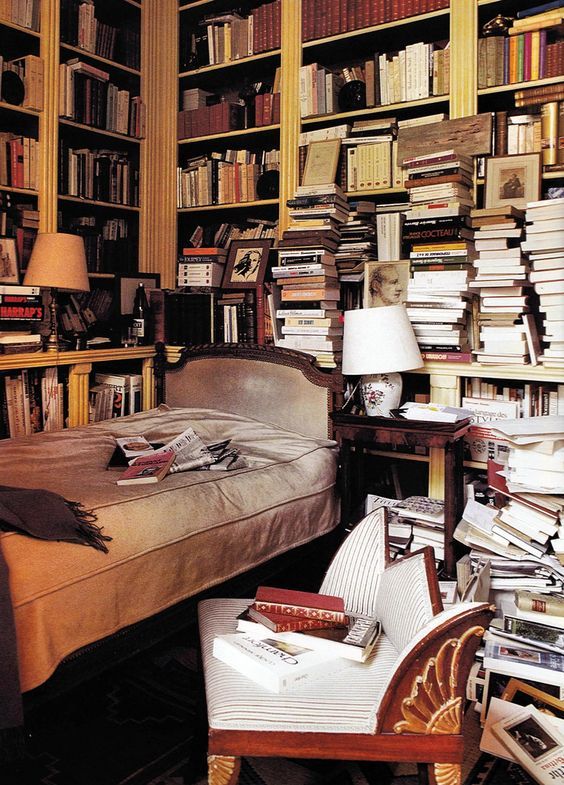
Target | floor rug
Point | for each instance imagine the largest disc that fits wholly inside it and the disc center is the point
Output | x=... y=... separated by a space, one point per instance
x=136 y=724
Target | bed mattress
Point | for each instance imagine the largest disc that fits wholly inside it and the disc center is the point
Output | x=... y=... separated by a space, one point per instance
x=171 y=539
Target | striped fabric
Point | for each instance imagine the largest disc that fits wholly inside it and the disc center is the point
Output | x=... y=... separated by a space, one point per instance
x=345 y=702
x=404 y=604
x=354 y=573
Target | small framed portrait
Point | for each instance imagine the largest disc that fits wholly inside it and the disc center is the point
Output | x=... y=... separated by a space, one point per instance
x=9 y=271
x=246 y=264
x=126 y=286
x=321 y=162
x=513 y=180
x=385 y=283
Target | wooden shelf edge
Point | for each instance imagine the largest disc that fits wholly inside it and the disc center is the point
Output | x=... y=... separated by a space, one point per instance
x=520 y=373
x=20 y=109
x=228 y=134
x=504 y=88
x=236 y=206
x=19 y=28
x=102 y=131
x=229 y=64
x=374 y=110
x=112 y=63
x=95 y=203
x=10 y=362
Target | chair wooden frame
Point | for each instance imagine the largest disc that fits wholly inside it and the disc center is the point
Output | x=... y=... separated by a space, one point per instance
x=419 y=719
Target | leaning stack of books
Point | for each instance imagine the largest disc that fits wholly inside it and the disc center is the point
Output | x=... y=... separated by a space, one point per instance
x=507 y=328
x=545 y=245
x=201 y=267
x=358 y=242
x=287 y=637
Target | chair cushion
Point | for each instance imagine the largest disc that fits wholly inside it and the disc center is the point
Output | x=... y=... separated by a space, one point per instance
x=354 y=573
x=404 y=603
x=346 y=703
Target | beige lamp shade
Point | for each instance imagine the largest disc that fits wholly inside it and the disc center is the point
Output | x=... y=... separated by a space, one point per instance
x=58 y=261
x=379 y=340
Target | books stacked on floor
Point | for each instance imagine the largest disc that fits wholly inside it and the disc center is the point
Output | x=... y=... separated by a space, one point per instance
x=389 y=223
x=544 y=243
x=316 y=621
x=413 y=523
x=358 y=242
x=442 y=178
x=507 y=329
x=439 y=302
x=201 y=266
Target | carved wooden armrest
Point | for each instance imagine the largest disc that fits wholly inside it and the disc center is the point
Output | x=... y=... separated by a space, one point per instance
x=425 y=694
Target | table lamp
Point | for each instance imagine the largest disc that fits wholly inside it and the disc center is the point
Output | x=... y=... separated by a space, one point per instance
x=378 y=343
x=57 y=262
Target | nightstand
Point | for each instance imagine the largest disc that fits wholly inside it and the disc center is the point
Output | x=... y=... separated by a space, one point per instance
x=355 y=433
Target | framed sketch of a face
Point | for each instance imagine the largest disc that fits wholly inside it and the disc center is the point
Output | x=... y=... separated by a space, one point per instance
x=385 y=283
x=246 y=264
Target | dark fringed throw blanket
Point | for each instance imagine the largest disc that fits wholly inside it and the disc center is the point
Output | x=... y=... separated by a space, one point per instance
x=48 y=516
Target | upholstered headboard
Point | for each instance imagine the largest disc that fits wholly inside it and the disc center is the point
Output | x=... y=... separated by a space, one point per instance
x=273 y=385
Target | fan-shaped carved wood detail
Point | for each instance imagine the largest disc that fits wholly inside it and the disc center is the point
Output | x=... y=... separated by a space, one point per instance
x=433 y=706
x=223 y=769
x=447 y=773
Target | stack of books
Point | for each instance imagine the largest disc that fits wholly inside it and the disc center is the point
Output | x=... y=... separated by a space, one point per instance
x=201 y=266
x=413 y=523
x=507 y=329
x=544 y=243
x=287 y=637
x=367 y=154
x=309 y=292
x=358 y=240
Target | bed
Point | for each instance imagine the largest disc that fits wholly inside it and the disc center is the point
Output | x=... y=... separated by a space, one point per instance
x=174 y=540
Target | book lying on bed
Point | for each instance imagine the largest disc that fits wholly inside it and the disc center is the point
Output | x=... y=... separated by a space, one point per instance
x=147 y=468
x=276 y=665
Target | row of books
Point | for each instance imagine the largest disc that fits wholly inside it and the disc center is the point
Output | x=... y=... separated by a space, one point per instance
x=229 y=177
x=87 y=96
x=108 y=243
x=217 y=118
x=413 y=523
x=102 y=175
x=220 y=235
x=19 y=161
x=25 y=13
x=31 y=72
x=322 y=18
x=115 y=395
x=533 y=131
x=419 y=71
x=31 y=400
x=81 y=27
x=518 y=58
x=223 y=37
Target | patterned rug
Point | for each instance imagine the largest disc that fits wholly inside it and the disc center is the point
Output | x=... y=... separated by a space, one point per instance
x=136 y=725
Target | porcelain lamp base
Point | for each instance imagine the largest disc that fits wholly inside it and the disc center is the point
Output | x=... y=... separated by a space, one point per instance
x=381 y=392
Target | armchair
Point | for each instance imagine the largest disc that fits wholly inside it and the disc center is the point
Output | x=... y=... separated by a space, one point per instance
x=404 y=704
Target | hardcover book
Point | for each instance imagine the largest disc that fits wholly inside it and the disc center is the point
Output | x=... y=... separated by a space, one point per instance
x=276 y=665
x=147 y=468
x=292 y=602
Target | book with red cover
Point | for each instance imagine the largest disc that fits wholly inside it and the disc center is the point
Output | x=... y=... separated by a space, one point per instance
x=147 y=468
x=281 y=622
x=292 y=602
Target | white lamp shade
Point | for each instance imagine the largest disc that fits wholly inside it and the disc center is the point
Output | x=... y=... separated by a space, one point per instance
x=58 y=261
x=379 y=340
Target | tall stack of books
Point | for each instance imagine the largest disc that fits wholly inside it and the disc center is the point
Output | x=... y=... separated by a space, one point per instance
x=358 y=239
x=201 y=266
x=307 y=273
x=503 y=285
x=309 y=294
x=440 y=240
x=545 y=245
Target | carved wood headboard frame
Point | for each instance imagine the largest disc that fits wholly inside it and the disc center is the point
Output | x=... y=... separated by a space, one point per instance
x=265 y=382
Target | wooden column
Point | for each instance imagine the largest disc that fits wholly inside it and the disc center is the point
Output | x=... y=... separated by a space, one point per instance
x=149 y=395
x=463 y=58
x=159 y=67
x=289 y=103
x=79 y=385
x=446 y=390
x=49 y=117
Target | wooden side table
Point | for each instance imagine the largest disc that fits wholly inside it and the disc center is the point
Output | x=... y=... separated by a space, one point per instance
x=356 y=432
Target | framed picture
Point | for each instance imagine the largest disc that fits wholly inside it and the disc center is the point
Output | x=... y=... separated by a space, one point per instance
x=9 y=272
x=246 y=264
x=321 y=162
x=524 y=694
x=126 y=285
x=385 y=283
x=513 y=180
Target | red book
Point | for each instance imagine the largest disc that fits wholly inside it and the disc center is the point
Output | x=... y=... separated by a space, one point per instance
x=300 y=603
x=280 y=622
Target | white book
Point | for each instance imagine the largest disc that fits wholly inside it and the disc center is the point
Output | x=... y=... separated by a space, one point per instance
x=534 y=741
x=276 y=665
x=524 y=663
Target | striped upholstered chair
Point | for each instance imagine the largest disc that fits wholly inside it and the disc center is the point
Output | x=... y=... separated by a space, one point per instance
x=403 y=704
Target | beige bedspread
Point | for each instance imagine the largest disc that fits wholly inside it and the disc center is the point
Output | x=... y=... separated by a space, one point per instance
x=170 y=539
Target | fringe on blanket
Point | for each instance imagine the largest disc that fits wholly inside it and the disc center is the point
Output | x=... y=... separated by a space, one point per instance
x=89 y=532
